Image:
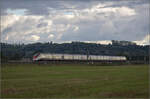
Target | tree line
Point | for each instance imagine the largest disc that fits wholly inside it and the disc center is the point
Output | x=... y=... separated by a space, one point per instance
x=132 y=51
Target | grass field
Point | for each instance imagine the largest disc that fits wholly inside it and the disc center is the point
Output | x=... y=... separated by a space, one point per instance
x=74 y=81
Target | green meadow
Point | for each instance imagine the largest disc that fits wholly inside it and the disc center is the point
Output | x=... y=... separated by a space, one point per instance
x=74 y=81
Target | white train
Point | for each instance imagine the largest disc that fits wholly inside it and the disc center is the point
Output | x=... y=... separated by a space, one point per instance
x=50 y=56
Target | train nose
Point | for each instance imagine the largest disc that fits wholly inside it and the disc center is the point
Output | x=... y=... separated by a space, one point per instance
x=35 y=56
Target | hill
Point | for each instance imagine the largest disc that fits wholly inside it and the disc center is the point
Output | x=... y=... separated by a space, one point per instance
x=119 y=48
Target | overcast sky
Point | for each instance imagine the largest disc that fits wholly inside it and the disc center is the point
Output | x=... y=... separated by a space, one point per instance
x=29 y=21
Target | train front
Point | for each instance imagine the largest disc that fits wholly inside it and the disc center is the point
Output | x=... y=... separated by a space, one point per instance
x=35 y=57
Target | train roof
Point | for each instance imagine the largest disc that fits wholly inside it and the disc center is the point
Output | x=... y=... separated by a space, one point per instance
x=77 y=54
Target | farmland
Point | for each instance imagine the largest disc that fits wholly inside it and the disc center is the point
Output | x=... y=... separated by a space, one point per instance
x=74 y=81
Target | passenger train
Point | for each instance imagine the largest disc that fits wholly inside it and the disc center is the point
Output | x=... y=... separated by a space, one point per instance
x=75 y=57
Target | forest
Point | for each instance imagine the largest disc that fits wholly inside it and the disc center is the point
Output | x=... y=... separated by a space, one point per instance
x=117 y=48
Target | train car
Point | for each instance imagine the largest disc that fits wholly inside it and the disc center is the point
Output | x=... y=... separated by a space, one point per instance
x=68 y=57
x=50 y=56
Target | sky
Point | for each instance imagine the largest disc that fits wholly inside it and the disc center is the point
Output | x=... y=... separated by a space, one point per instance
x=100 y=21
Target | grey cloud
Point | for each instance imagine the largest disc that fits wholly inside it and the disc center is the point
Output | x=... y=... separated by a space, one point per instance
x=40 y=7
x=41 y=25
